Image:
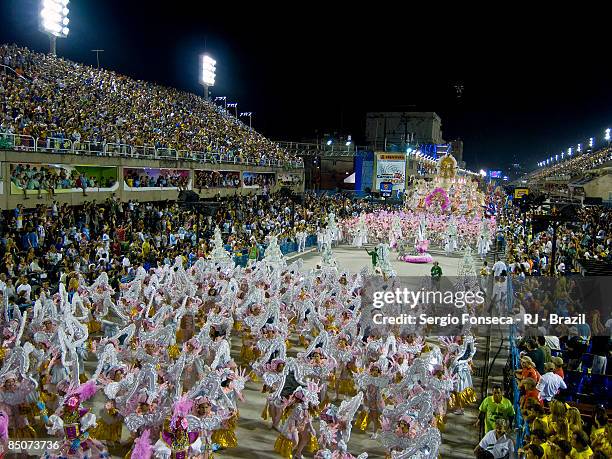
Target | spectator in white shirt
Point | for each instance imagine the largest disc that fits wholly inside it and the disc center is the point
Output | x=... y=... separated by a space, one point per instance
x=25 y=287
x=499 y=267
x=550 y=383
x=496 y=444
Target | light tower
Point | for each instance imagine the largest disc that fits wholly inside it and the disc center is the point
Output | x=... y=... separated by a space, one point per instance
x=250 y=115
x=208 y=69
x=54 y=21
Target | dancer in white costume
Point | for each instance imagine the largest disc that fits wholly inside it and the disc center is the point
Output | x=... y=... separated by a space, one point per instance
x=361 y=235
x=421 y=231
x=450 y=237
x=396 y=235
x=383 y=260
x=483 y=246
x=463 y=391
x=332 y=228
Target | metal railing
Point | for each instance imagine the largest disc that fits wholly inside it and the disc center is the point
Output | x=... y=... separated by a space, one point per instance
x=17 y=142
x=319 y=149
x=21 y=142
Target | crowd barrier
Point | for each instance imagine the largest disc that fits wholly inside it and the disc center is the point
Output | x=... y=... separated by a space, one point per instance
x=522 y=427
x=213 y=153
x=286 y=248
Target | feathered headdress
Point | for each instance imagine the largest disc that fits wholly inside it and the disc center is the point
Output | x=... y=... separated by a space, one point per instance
x=142 y=447
x=308 y=394
x=80 y=394
x=4 y=421
x=181 y=408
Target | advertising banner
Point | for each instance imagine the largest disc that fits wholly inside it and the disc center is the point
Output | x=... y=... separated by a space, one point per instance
x=386 y=188
x=520 y=192
x=39 y=179
x=391 y=167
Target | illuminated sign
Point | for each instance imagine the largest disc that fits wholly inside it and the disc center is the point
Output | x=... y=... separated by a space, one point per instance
x=520 y=192
x=386 y=188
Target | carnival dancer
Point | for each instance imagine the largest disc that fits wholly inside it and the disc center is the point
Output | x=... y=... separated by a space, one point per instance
x=462 y=354
x=177 y=437
x=75 y=422
x=298 y=432
x=372 y=382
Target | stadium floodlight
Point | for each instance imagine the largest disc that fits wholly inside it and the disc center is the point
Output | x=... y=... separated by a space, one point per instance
x=482 y=173
x=591 y=142
x=607 y=136
x=579 y=147
x=233 y=105
x=223 y=98
x=209 y=69
x=569 y=151
x=556 y=157
x=54 y=21
x=249 y=114
x=329 y=142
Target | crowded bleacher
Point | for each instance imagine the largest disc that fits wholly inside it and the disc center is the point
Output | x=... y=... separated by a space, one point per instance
x=60 y=103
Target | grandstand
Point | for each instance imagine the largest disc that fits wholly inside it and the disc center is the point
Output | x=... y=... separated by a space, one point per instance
x=583 y=175
x=53 y=104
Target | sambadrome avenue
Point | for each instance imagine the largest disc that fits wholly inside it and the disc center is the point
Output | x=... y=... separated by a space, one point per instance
x=265 y=232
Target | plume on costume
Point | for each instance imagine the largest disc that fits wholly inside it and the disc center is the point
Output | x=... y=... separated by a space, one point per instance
x=87 y=390
x=4 y=421
x=182 y=406
x=142 y=447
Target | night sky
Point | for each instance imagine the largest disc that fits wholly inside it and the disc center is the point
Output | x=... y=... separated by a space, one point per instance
x=532 y=85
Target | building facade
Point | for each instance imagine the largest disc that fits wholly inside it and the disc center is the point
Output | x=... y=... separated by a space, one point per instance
x=387 y=131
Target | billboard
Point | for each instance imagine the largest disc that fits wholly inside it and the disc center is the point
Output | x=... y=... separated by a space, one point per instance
x=386 y=188
x=495 y=174
x=391 y=167
x=520 y=192
x=37 y=178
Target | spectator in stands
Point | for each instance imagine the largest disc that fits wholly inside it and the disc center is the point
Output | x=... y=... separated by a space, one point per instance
x=531 y=393
x=535 y=353
x=496 y=444
x=494 y=407
x=545 y=348
x=580 y=446
x=527 y=370
x=550 y=383
x=532 y=452
x=601 y=432
x=600 y=348
x=558 y=362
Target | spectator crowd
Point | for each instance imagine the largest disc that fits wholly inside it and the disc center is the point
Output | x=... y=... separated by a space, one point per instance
x=53 y=98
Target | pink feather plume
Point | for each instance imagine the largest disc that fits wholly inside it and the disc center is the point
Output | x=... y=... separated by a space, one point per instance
x=183 y=406
x=87 y=390
x=4 y=421
x=142 y=447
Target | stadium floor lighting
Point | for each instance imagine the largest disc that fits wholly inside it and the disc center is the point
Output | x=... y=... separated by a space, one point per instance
x=54 y=21
x=209 y=69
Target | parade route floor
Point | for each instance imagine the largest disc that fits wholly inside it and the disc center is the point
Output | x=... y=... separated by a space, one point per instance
x=256 y=438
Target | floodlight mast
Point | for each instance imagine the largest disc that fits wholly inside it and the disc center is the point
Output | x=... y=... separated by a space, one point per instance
x=54 y=21
x=208 y=69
